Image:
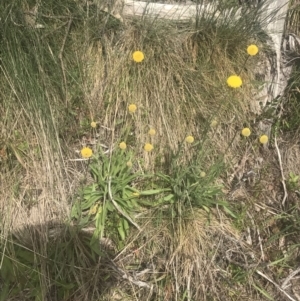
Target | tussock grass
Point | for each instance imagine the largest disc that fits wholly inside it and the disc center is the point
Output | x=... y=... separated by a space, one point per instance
x=189 y=247
x=175 y=88
x=78 y=68
x=53 y=261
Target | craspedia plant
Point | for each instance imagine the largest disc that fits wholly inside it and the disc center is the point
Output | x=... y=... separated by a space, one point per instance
x=148 y=147
x=86 y=153
x=189 y=139
x=252 y=50
x=263 y=139
x=214 y=123
x=132 y=108
x=152 y=132
x=122 y=145
x=234 y=81
x=246 y=132
x=138 y=56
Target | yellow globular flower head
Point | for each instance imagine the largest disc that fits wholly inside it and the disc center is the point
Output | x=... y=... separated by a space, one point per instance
x=93 y=124
x=132 y=108
x=86 y=152
x=234 y=81
x=214 y=123
x=252 y=50
x=93 y=210
x=202 y=174
x=129 y=164
x=148 y=147
x=263 y=139
x=189 y=139
x=152 y=132
x=246 y=132
x=122 y=145
x=138 y=56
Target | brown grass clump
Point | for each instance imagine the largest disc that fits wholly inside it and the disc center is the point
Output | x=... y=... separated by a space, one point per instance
x=193 y=256
x=173 y=88
x=69 y=85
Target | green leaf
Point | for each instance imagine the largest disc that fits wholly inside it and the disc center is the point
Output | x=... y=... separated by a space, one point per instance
x=263 y=292
x=75 y=211
x=274 y=263
x=110 y=206
x=98 y=220
x=37 y=294
x=226 y=209
x=173 y=212
x=84 y=221
x=26 y=255
x=123 y=204
x=95 y=247
x=134 y=204
x=5 y=292
x=168 y=197
x=93 y=198
x=89 y=189
x=146 y=203
x=121 y=230
x=6 y=270
x=206 y=209
x=95 y=171
x=66 y=285
x=131 y=189
x=154 y=191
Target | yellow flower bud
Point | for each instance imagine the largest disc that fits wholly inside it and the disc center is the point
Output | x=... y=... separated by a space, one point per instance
x=148 y=147
x=152 y=132
x=234 y=81
x=86 y=152
x=189 y=139
x=252 y=50
x=246 y=132
x=132 y=108
x=122 y=145
x=138 y=56
x=263 y=139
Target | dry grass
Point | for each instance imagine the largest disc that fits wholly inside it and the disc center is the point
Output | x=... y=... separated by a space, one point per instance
x=173 y=88
x=47 y=105
x=187 y=255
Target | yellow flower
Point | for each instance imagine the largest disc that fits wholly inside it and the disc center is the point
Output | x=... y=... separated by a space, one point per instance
x=122 y=145
x=148 y=147
x=263 y=139
x=129 y=164
x=93 y=124
x=93 y=210
x=132 y=108
x=214 y=123
x=86 y=152
x=252 y=49
x=234 y=81
x=138 y=56
x=202 y=174
x=189 y=139
x=246 y=132
x=152 y=132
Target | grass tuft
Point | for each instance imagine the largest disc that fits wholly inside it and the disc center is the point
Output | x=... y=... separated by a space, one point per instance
x=141 y=216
